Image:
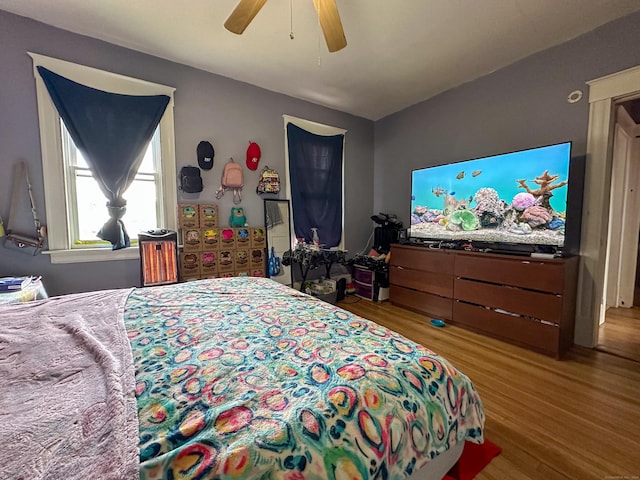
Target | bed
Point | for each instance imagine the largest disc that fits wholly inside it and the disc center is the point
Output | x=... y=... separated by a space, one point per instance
x=235 y=378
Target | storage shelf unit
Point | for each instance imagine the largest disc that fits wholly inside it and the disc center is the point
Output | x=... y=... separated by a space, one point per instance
x=526 y=301
x=368 y=284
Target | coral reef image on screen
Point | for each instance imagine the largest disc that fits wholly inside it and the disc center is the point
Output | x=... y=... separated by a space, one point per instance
x=518 y=197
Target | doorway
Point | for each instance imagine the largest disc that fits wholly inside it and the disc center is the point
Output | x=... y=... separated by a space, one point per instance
x=619 y=329
x=605 y=94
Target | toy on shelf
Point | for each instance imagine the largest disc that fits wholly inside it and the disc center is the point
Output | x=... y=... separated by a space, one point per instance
x=237 y=217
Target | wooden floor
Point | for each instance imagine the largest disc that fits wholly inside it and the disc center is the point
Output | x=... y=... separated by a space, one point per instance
x=578 y=418
x=620 y=333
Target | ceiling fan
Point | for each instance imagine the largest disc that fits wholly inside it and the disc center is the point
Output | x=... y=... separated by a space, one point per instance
x=327 y=10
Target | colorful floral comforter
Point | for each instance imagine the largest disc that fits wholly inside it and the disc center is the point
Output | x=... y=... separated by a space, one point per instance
x=244 y=378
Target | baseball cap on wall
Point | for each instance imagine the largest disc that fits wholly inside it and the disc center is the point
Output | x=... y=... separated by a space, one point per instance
x=253 y=155
x=205 y=154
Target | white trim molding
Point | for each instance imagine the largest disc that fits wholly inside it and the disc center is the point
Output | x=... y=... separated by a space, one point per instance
x=313 y=127
x=615 y=85
x=604 y=92
x=92 y=255
x=52 y=165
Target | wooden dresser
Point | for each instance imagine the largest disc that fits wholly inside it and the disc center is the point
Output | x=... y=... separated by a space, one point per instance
x=526 y=301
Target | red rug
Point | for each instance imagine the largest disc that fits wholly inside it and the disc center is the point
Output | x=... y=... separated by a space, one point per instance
x=473 y=459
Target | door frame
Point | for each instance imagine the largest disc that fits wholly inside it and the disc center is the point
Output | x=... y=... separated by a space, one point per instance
x=604 y=92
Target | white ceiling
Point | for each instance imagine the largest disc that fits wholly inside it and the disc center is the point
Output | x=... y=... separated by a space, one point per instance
x=399 y=52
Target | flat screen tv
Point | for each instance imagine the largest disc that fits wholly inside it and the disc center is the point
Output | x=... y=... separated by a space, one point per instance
x=502 y=202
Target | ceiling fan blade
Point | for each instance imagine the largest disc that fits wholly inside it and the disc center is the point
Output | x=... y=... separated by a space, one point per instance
x=331 y=24
x=242 y=15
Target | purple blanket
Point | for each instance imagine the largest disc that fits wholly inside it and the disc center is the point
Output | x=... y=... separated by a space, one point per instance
x=67 y=400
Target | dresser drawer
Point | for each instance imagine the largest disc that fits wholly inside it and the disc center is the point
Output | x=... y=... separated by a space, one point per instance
x=525 y=273
x=364 y=291
x=421 y=302
x=431 y=282
x=529 y=303
x=363 y=275
x=521 y=331
x=422 y=258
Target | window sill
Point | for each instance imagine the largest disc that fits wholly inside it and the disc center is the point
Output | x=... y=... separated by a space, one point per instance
x=92 y=255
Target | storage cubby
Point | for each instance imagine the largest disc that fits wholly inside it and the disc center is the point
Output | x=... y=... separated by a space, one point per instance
x=522 y=300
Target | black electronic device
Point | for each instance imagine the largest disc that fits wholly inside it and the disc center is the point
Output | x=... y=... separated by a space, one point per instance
x=387 y=220
x=387 y=231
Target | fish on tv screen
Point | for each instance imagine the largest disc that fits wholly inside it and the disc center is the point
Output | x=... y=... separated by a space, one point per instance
x=514 y=198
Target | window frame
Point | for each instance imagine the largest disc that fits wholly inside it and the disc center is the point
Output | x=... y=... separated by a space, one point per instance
x=72 y=169
x=316 y=129
x=55 y=186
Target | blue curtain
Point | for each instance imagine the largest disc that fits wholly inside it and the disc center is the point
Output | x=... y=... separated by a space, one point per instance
x=315 y=171
x=112 y=131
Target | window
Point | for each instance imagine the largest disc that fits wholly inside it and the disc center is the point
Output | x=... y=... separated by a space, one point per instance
x=85 y=203
x=321 y=208
x=75 y=206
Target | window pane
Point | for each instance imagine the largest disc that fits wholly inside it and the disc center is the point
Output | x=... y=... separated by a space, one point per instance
x=147 y=165
x=141 y=207
x=92 y=211
x=80 y=161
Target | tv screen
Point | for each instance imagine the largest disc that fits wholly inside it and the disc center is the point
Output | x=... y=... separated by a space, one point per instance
x=517 y=198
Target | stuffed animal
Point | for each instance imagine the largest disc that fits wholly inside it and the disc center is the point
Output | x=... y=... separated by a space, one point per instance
x=237 y=218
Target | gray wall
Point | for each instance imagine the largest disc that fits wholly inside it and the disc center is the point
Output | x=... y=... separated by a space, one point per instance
x=520 y=106
x=207 y=107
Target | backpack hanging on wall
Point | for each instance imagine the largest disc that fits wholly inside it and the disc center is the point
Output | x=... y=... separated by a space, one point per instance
x=190 y=179
x=232 y=179
x=269 y=181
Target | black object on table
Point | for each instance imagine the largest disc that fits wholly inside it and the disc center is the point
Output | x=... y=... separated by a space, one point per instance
x=308 y=259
